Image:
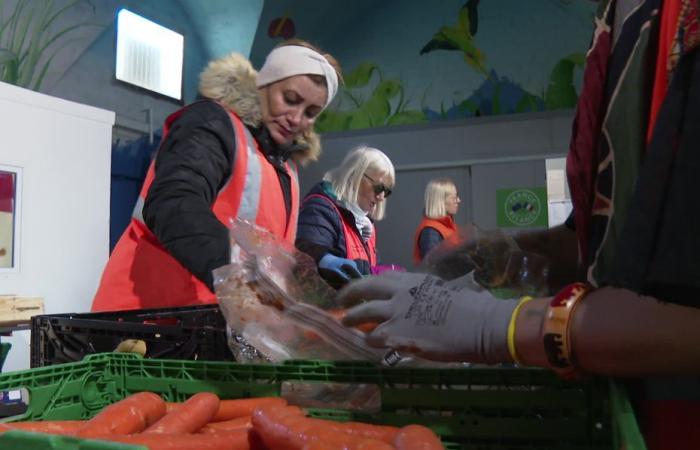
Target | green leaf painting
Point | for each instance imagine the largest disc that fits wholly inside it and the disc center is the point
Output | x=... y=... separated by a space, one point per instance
x=373 y=98
x=561 y=92
x=383 y=106
x=361 y=75
x=461 y=37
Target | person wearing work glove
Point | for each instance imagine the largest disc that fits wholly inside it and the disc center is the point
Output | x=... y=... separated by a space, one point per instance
x=336 y=219
x=430 y=317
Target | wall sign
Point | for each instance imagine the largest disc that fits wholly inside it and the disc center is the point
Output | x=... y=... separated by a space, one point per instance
x=522 y=207
x=10 y=189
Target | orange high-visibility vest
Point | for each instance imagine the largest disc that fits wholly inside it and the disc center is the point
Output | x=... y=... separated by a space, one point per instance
x=444 y=225
x=355 y=248
x=141 y=273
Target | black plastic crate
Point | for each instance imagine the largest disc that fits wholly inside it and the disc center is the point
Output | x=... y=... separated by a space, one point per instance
x=189 y=333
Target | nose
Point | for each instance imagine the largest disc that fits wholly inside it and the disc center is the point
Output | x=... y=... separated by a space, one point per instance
x=295 y=117
x=381 y=196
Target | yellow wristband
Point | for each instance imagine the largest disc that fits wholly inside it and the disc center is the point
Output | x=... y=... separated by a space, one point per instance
x=511 y=330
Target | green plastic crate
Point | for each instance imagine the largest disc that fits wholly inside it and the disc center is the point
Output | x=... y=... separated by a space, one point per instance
x=470 y=408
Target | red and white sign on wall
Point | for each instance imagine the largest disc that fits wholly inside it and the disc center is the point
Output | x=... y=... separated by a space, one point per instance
x=9 y=178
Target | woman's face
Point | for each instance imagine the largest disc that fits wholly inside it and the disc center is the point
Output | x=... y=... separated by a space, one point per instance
x=290 y=106
x=372 y=191
x=452 y=202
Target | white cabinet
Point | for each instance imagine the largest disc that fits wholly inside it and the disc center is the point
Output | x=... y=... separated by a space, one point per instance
x=63 y=150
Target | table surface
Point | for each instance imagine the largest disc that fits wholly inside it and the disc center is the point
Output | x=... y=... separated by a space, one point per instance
x=6 y=330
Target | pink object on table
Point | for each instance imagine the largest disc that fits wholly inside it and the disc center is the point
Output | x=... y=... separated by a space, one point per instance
x=380 y=269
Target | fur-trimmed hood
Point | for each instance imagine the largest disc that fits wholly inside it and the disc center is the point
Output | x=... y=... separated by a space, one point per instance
x=230 y=80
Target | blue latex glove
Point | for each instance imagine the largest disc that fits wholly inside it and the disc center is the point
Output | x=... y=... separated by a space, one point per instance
x=342 y=268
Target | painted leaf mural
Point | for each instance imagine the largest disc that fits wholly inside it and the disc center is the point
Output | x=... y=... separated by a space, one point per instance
x=561 y=92
x=461 y=37
x=418 y=61
x=361 y=75
x=384 y=105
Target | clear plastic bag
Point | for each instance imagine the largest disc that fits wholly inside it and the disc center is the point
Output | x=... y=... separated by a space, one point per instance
x=496 y=260
x=279 y=308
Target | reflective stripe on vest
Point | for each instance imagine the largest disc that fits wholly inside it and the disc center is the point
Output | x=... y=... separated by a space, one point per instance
x=141 y=273
x=250 y=200
x=251 y=183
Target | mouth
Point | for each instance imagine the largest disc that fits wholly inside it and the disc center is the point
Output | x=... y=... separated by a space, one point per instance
x=284 y=131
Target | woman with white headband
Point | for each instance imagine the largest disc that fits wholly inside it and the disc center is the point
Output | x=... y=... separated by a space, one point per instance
x=233 y=153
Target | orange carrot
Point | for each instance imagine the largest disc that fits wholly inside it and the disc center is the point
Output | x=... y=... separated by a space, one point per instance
x=223 y=441
x=382 y=432
x=340 y=313
x=241 y=423
x=284 y=429
x=274 y=428
x=170 y=407
x=130 y=415
x=417 y=437
x=320 y=445
x=65 y=427
x=233 y=409
x=343 y=441
x=189 y=417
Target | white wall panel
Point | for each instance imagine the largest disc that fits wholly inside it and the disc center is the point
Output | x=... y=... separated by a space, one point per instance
x=63 y=149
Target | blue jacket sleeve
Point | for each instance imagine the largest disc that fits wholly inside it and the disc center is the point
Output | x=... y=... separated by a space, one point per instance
x=319 y=229
x=427 y=240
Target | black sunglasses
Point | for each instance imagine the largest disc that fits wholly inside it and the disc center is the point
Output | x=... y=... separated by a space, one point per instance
x=379 y=187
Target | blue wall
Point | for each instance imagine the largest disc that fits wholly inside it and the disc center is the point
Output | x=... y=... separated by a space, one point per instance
x=521 y=41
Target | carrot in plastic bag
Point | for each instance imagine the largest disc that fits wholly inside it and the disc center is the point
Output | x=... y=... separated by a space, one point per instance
x=130 y=415
x=417 y=437
x=189 y=417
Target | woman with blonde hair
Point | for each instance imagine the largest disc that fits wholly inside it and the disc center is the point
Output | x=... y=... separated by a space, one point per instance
x=232 y=154
x=336 y=220
x=441 y=205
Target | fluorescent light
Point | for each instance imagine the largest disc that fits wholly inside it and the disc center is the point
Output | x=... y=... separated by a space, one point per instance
x=149 y=55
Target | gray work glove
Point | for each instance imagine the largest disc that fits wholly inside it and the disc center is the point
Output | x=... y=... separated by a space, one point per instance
x=430 y=317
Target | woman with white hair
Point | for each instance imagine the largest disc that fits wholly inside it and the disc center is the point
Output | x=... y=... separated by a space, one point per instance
x=232 y=154
x=336 y=220
x=441 y=205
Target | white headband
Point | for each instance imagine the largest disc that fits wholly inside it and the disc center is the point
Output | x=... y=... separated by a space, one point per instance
x=289 y=60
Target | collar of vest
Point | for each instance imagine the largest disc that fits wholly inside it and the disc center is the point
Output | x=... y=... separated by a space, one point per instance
x=447 y=221
x=325 y=189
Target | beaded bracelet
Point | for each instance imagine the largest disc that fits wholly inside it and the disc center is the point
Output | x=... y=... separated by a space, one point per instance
x=557 y=329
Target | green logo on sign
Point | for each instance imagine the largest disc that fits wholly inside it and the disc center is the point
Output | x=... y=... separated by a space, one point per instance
x=522 y=207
